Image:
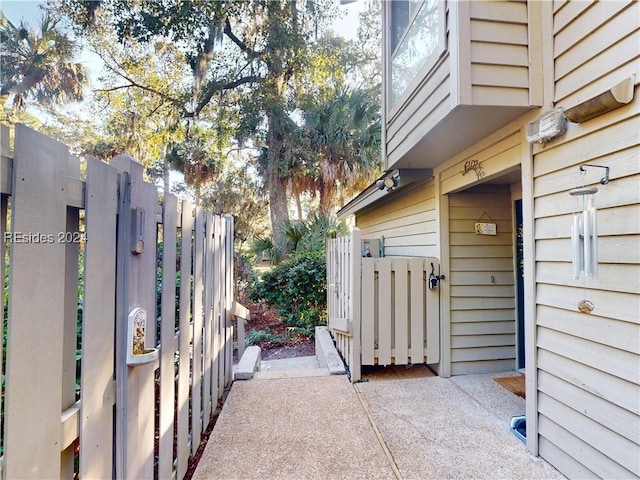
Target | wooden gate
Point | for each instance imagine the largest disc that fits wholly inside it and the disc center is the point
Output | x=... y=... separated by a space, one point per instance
x=90 y=257
x=380 y=310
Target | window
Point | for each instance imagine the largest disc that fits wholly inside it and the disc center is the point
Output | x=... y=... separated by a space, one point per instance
x=415 y=37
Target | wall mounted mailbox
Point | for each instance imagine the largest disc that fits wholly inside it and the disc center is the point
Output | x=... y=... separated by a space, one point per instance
x=137 y=352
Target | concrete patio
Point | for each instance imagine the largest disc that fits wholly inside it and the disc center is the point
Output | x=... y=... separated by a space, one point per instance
x=403 y=423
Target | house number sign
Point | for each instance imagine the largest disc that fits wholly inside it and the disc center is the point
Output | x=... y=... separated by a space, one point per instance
x=474 y=165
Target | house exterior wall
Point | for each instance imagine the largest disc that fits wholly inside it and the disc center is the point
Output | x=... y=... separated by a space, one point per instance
x=406 y=222
x=583 y=370
x=499 y=53
x=588 y=365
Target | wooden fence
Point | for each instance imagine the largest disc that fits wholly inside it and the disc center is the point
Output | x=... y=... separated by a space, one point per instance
x=92 y=255
x=380 y=310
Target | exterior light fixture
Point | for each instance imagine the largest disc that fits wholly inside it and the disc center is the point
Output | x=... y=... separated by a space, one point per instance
x=584 y=235
x=388 y=183
x=617 y=96
x=546 y=127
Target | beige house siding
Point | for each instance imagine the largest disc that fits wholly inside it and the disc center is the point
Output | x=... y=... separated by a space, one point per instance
x=406 y=221
x=499 y=53
x=583 y=370
x=595 y=46
x=481 y=282
x=589 y=365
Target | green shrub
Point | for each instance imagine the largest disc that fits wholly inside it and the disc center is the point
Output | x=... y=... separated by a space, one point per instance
x=259 y=336
x=296 y=289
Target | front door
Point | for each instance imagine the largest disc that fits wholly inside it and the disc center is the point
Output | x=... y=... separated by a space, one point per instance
x=519 y=271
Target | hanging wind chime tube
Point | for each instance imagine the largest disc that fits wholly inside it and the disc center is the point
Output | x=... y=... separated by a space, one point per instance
x=584 y=234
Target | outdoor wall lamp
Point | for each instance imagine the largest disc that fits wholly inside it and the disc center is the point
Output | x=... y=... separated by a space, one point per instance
x=388 y=183
x=584 y=235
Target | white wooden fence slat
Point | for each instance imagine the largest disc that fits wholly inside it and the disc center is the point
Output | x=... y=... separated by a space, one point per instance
x=122 y=280
x=401 y=322
x=167 y=333
x=433 y=318
x=70 y=340
x=198 y=271
x=225 y=268
x=368 y=311
x=217 y=289
x=416 y=266
x=208 y=317
x=98 y=329
x=184 y=339
x=384 y=310
x=36 y=309
x=355 y=268
x=229 y=296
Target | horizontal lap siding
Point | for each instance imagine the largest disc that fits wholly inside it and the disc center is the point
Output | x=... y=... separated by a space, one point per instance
x=595 y=49
x=589 y=365
x=423 y=111
x=499 y=53
x=406 y=220
x=482 y=284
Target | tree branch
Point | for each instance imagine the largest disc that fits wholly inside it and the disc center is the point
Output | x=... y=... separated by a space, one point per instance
x=216 y=86
x=243 y=46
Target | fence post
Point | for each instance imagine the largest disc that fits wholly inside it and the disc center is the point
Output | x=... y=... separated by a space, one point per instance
x=355 y=303
x=136 y=287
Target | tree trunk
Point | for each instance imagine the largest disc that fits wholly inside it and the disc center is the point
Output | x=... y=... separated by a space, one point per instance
x=278 y=204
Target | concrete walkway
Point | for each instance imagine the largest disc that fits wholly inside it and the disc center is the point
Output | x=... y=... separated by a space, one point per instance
x=397 y=424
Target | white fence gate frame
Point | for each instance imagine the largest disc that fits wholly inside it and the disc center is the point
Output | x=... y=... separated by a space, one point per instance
x=48 y=202
x=380 y=310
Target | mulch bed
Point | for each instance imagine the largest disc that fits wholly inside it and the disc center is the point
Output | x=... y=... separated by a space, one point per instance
x=266 y=319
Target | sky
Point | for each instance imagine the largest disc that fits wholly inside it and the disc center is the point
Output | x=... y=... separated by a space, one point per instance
x=15 y=10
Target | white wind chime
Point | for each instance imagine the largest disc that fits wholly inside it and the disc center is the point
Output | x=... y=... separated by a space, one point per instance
x=584 y=233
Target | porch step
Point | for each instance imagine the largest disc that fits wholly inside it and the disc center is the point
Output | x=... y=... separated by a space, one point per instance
x=326 y=352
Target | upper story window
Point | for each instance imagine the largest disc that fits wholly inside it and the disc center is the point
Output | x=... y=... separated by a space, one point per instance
x=415 y=37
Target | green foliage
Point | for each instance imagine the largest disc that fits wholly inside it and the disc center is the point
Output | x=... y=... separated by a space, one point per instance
x=307 y=236
x=253 y=337
x=296 y=288
x=40 y=66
